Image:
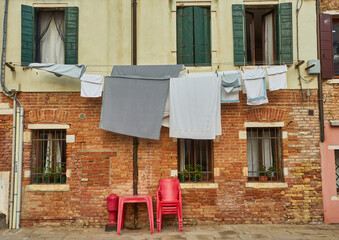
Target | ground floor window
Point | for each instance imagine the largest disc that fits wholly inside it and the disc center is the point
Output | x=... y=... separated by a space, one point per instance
x=195 y=160
x=48 y=157
x=264 y=154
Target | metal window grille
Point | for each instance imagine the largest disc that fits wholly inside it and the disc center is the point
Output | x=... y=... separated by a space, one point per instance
x=264 y=155
x=48 y=157
x=337 y=168
x=195 y=160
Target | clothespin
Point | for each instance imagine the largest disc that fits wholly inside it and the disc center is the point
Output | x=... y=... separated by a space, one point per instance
x=242 y=69
x=283 y=63
x=188 y=71
x=216 y=72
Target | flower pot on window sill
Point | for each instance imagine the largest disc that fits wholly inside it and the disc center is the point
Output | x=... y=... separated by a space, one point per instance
x=181 y=178
x=47 y=179
x=38 y=179
x=263 y=178
x=196 y=178
x=63 y=179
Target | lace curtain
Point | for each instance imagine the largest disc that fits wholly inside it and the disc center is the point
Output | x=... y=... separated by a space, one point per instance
x=51 y=37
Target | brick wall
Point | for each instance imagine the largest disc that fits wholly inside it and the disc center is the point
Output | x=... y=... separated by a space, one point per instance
x=327 y=5
x=105 y=159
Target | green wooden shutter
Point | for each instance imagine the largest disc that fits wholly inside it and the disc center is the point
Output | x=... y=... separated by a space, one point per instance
x=71 y=35
x=202 y=36
x=239 y=48
x=27 y=35
x=284 y=32
x=185 y=36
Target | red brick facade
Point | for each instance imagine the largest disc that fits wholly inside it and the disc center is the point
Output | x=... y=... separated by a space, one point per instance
x=105 y=160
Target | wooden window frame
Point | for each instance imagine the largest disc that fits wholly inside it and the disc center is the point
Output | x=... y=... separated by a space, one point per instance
x=191 y=159
x=335 y=20
x=55 y=173
x=275 y=142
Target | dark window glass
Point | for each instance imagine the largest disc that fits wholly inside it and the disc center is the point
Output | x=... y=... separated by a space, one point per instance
x=195 y=160
x=48 y=157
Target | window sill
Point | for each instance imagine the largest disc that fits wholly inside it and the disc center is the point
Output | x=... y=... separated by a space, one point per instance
x=266 y=185
x=198 y=68
x=199 y=185
x=47 y=188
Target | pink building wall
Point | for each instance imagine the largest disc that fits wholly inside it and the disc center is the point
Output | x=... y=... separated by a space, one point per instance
x=330 y=195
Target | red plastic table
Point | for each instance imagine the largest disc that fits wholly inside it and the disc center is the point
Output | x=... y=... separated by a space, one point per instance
x=135 y=199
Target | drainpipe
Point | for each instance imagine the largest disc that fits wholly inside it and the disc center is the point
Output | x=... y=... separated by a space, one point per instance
x=13 y=165
x=320 y=82
x=21 y=128
x=135 y=139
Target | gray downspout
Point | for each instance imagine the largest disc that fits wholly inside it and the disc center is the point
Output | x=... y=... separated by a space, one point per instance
x=13 y=166
x=21 y=127
x=135 y=139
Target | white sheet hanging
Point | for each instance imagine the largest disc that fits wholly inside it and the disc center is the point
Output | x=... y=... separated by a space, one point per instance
x=91 y=85
x=277 y=77
x=195 y=107
x=255 y=86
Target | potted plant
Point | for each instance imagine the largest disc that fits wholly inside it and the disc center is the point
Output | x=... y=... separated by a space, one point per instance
x=262 y=173
x=185 y=174
x=47 y=175
x=38 y=173
x=59 y=177
x=197 y=175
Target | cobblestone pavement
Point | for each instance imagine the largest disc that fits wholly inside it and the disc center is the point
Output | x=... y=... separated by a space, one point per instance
x=246 y=232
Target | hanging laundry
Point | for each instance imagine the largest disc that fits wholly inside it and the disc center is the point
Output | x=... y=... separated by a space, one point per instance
x=255 y=86
x=230 y=80
x=70 y=70
x=134 y=99
x=91 y=85
x=231 y=86
x=195 y=107
x=277 y=77
x=232 y=97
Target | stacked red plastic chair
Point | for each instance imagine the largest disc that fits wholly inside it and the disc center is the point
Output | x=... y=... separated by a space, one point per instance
x=169 y=201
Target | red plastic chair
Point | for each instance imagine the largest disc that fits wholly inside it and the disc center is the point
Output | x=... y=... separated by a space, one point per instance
x=169 y=201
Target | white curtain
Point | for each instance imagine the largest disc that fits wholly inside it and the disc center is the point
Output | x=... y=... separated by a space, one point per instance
x=252 y=155
x=52 y=37
x=48 y=155
x=269 y=39
x=253 y=152
x=52 y=155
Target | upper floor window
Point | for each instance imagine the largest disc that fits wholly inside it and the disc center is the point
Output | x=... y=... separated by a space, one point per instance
x=195 y=160
x=48 y=157
x=335 y=31
x=49 y=35
x=262 y=35
x=264 y=154
x=194 y=36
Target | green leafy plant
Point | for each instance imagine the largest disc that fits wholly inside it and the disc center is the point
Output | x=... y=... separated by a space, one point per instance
x=262 y=170
x=272 y=170
x=197 y=173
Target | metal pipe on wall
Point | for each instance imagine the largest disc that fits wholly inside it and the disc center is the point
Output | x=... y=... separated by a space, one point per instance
x=13 y=165
x=320 y=83
x=21 y=127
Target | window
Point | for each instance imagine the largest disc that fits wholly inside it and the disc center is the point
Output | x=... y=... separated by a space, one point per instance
x=49 y=35
x=260 y=39
x=264 y=154
x=262 y=34
x=48 y=157
x=336 y=152
x=193 y=36
x=335 y=32
x=195 y=160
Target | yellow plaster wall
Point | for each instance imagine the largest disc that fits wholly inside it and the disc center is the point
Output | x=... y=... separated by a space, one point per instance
x=105 y=38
